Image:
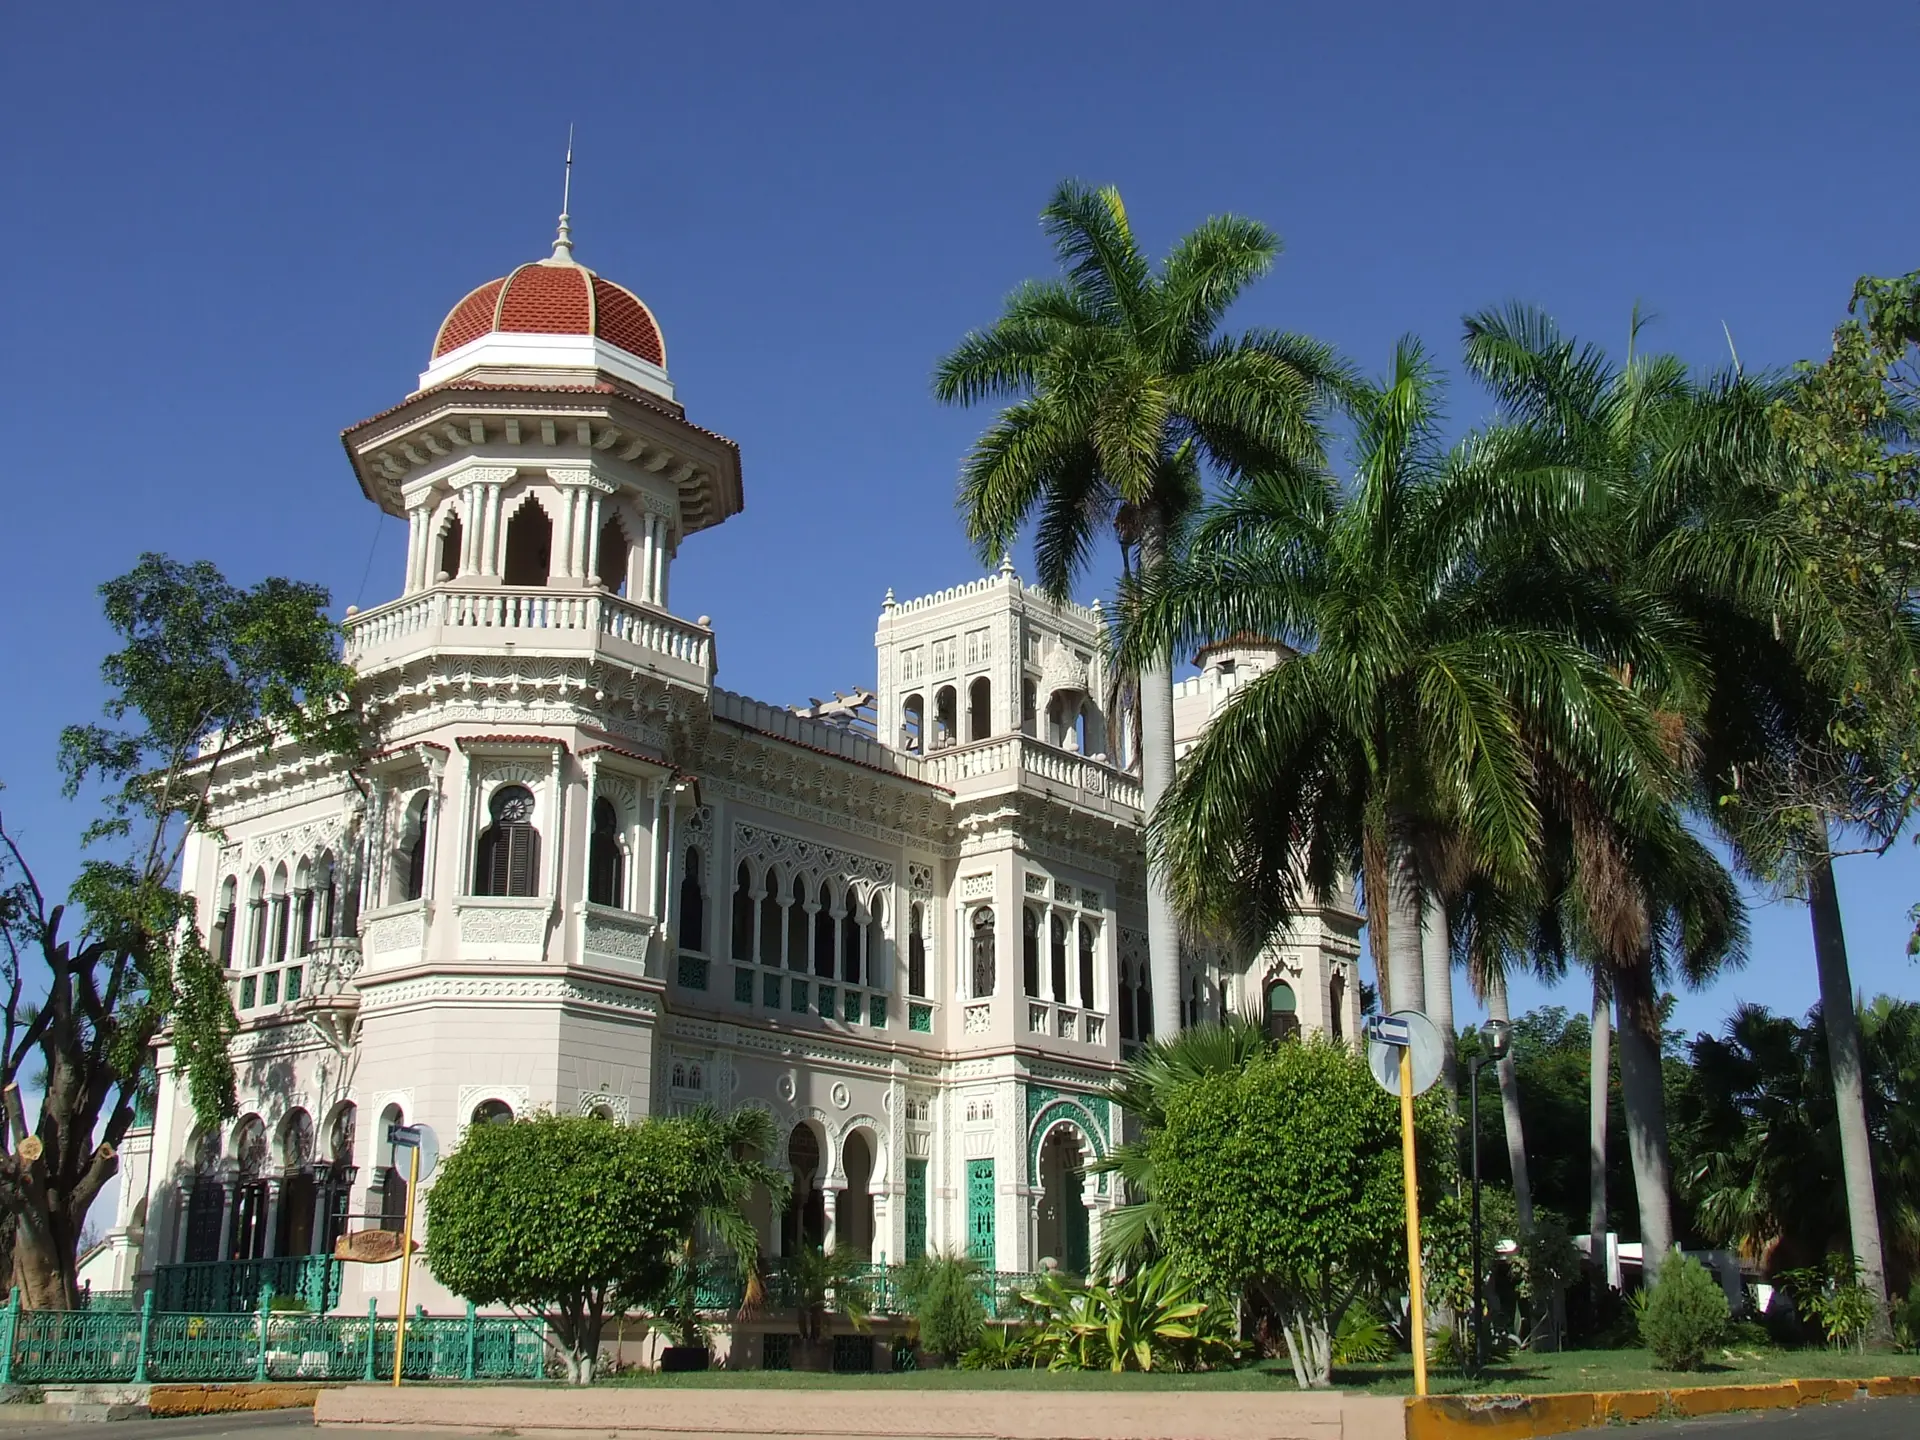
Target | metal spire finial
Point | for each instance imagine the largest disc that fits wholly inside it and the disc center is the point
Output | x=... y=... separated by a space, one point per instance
x=563 y=241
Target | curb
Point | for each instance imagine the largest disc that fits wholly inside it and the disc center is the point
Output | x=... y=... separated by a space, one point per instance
x=223 y=1399
x=1522 y=1417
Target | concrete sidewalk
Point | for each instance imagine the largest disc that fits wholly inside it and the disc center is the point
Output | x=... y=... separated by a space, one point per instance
x=715 y=1414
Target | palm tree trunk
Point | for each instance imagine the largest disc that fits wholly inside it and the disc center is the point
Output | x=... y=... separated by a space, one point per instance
x=1497 y=1009
x=1156 y=773
x=1646 y=1106
x=1406 y=959
x=1599 y=1078
x=1436 y=957
x=1849 y=1089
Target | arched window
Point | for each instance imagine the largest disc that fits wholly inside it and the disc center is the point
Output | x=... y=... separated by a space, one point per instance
x=507 y=860
x=851 y=930
x=492 y=1112
x=743 y=913
x=873 y=938
x=452 y=536
x=771 y=924
x=325 y=885
x=222 y=946
x=303 y=908
x=797 y=924
x=1337 y=1007
x=613 y=556
x=1126 y=1002
x=1283 y=1018
x=1143 y=1005
x=277 y=948
x=1028 y=703
x=257 y=918
x=980 y=709
x=1030 y=950
x=604 y=860
x=946 y=716
x=1087 y=944
x=693 y=903
x=913 y=723
x=916 y=950
x=390 y=1176
x=412 y=854
x=983 y=954
x=1057 y=955
x=823 y=946
x=529 y=557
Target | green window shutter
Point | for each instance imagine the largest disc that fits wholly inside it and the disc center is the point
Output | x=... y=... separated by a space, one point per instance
x=980 y=1211
x=916 y=1209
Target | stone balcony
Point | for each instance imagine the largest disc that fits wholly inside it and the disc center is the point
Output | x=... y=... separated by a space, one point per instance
x=1009 y=761
x=534 y=621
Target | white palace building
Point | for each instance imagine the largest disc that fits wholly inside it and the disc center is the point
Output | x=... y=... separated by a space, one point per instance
x=577 y=875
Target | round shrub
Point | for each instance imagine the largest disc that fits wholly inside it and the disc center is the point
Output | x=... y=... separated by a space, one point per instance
x=1684 y=1313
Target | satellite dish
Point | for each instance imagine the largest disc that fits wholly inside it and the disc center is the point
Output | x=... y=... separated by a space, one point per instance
x=1423 y=1040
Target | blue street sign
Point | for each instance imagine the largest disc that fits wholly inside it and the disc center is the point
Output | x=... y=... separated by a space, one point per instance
x=1389 y=1030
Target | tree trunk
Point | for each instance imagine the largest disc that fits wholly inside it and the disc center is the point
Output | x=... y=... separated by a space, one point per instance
x=1646 y=1106
x=1599 y=1077
x=1406 y=960
x=1498 y=1009
x=44 y=1269
x=1436 y=957
x=1156 y=773
x=1849 y=1087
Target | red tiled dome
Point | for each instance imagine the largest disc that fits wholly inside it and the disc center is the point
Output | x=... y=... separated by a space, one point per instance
x=554 y=298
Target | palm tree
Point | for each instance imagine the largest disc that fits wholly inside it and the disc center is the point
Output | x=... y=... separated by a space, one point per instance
x=1648 y=897
x=1802 y=703
x=1450 y=666
x=1122 y=396
x=1129 y=1238
x=730 y=1148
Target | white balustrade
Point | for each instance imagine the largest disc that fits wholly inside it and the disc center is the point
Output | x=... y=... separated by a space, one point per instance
x=467 y=616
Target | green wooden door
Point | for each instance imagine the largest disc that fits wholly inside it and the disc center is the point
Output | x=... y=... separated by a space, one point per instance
x=916 y=1209
x=980 y=1211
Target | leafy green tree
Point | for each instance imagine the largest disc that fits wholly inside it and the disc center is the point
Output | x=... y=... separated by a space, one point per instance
x=206 y=671
x=1123 y=395
x=731 y=1168
x=1760 y=1137
x=1130 y=1235
x=1285 y=1177
x=569 y=1218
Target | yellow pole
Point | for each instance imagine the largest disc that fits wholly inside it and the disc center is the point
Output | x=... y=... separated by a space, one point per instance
x=406 y=1268
x=1410 y=1178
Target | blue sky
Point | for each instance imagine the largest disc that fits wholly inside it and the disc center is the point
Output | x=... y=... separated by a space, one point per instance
x=233 y=230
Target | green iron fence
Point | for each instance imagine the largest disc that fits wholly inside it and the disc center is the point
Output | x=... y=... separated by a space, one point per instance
x=232 y=1287
x=99 y=1346
x=720 y=1290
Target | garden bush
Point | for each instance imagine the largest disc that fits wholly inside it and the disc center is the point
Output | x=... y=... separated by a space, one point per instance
x=1683 y=1314
x=942 y=1292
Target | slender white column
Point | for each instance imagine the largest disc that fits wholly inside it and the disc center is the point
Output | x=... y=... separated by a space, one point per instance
x=591 y=570
x=490 y=530
x=569 y=537
x=470 y=521
x=640 y=578
x=416 y=528
x=660 y=567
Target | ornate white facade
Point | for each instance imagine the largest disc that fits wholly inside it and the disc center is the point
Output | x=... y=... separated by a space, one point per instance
x=577 y=875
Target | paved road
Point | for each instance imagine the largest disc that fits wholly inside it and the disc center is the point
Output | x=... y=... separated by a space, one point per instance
x=1858 y=1420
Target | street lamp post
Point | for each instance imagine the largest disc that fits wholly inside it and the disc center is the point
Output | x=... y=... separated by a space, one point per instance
x=1498 y=1035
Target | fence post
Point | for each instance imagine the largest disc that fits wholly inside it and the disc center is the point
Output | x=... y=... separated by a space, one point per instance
x=373 y=1334
x=146 y=1334
x=266 y=1312
x=12 y=1327
x=473 y=1341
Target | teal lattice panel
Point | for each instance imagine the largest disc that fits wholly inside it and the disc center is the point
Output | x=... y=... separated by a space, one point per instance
x=980 y=1210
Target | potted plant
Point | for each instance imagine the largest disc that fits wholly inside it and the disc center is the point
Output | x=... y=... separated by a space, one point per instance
x=719 y=1242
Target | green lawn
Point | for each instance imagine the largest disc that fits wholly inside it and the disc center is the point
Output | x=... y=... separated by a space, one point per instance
x=1533 y=1374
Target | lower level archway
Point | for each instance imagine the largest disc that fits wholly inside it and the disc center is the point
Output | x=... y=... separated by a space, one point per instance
x=1063 y=1232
